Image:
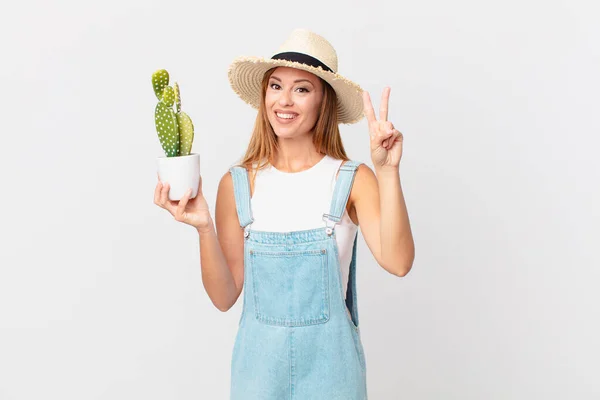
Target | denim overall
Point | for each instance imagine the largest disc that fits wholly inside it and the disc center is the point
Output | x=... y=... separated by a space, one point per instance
x=295 y=338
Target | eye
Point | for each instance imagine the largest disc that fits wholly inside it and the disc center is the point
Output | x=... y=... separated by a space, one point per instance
x=302 y=89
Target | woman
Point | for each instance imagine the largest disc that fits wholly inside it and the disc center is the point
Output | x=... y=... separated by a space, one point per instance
x=298 y=335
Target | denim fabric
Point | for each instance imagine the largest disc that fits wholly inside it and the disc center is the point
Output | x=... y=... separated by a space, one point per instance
x=295 y=338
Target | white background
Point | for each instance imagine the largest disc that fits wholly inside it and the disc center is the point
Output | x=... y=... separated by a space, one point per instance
x=100 y=289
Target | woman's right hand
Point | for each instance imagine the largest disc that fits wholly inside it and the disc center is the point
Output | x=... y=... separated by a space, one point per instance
x=193 y=212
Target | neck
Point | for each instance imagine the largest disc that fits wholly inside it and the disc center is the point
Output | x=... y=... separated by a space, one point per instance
x=296 y=157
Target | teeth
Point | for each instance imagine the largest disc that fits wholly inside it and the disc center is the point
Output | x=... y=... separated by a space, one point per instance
x=287 y=116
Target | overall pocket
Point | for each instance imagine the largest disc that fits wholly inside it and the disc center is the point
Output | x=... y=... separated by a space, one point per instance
x=291 y=288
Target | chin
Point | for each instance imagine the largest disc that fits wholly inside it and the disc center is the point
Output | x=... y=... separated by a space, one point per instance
x=284 y=135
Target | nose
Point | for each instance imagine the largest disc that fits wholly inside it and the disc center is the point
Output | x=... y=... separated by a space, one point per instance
x=285 y=98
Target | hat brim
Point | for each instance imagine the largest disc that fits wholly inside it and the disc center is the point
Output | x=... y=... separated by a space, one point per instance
x=246 y=74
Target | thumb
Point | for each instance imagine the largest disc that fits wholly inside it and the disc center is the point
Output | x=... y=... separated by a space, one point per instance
x=200 y=185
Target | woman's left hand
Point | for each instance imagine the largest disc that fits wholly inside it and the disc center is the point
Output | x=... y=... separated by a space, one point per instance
x=386 y=141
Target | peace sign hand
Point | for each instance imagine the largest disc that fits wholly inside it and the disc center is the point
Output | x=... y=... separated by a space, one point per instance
x=386 y=141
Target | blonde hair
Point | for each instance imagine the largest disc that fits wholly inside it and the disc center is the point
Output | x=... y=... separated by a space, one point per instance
x=263 y=142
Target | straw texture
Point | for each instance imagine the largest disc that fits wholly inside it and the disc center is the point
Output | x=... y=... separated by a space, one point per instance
x=245 y=73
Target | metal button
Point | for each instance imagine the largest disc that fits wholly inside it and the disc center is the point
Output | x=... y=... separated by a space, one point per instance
x=323 y=251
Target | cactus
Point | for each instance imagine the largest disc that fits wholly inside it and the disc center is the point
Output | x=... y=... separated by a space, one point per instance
x=177 y=96
x=160 y=79
x=175 y=128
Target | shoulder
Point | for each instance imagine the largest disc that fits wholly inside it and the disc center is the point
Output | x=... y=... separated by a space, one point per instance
x=363 y=172
x=365 y=181
x=226 y=183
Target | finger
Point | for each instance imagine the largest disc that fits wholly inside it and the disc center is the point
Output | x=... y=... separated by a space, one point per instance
x=383 y=139
x=389 y=141
x=397 y=137
x=368 y=107
x=157 y=191
x=383 y=107
x=164 y=198
x=180 y=210
x=388 y=126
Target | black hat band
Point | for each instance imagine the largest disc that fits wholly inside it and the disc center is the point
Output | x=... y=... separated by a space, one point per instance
x=301 y=58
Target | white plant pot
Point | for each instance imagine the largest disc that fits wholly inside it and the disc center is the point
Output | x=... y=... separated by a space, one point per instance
x=182 y=173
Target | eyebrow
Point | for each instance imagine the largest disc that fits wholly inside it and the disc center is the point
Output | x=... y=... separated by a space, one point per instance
x=296 y=81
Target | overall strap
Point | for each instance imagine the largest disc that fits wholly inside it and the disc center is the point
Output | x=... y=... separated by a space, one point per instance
x=341 y=193
x=241 y=190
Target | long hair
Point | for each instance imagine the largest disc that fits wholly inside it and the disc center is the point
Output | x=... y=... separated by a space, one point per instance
x=263 y=142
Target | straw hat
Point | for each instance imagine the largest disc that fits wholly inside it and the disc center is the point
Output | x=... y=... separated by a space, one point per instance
x=302 y=50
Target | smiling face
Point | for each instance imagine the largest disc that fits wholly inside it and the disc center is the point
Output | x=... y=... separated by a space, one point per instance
x=293 y=101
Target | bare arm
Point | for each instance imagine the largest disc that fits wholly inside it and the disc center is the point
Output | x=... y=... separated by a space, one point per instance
x=397 y=245
x=379 y=201
x=222 y=251
x=383 y=218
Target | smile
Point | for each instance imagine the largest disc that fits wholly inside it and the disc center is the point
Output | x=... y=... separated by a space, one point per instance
x=285 y=118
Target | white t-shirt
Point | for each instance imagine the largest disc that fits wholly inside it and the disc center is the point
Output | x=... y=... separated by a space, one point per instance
x=294 y=201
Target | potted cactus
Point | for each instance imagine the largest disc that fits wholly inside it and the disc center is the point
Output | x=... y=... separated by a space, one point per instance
x=179 y=167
